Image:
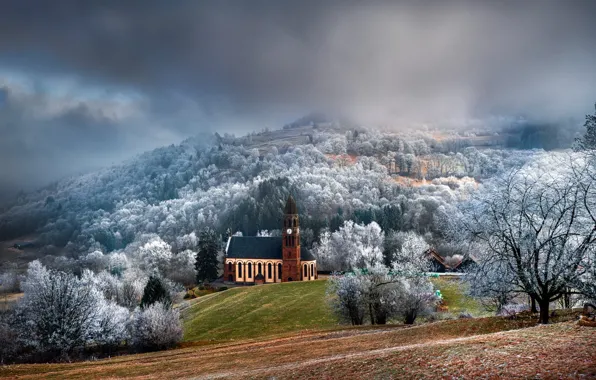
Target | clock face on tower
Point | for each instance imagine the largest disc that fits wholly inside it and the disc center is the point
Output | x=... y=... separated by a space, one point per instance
x=289 y=231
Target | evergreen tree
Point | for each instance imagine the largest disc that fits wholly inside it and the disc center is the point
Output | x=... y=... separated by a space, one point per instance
x=206 y=263
x=588 y=141
x=155 y=291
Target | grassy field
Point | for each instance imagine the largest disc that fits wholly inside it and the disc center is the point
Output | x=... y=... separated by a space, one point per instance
x=454 y=295
x=256 y=311
x=494 y=347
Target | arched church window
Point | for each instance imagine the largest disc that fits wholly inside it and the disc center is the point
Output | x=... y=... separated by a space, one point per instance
x=305 y=272
x=269 y=270
x=249 y=269
x=239 y=269
x=278 y=271
x=230 y=267
x=259 y=272
x=312 y=270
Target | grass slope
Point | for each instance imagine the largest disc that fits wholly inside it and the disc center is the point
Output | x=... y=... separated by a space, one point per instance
x=251 y=312
x=454 y=295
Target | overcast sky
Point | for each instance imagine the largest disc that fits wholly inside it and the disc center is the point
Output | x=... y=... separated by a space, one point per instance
x=89 y=83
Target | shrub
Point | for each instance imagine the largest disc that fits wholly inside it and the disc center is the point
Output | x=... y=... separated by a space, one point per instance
x=155 y=327
x=58 y=313
x=9 y=344
x=201 y=287
x=222 y=288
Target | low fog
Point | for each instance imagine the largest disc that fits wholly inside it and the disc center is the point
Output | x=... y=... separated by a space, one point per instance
x=88 y=84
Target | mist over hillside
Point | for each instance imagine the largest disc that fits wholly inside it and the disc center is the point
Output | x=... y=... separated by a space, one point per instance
x=141 y=75
x=406 y=181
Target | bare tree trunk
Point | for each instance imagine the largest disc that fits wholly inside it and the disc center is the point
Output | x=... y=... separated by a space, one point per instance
x=533 y=302
x=567 y=299
x=544 y=305
x=370 y=311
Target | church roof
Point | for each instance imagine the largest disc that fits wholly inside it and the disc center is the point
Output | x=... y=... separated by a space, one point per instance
x=291 y=207
x=261 y=247
x=306 y=255
x=255 y=247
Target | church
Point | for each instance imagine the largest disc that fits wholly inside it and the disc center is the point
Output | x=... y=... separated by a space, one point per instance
x=259 y=260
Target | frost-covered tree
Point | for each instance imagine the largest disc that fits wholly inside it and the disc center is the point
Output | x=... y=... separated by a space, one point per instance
x=96 y=261
x=155 y=256
x=111 y=326
x=352 y=246
x=183 y=268
x=10 y=280
x=588 y=140
x=493 y=283
x=58 y=312
x=118 y=262
x=415 y=299
x=379 y=295
x=586 y=176
x=9 y=339
x=347 y=298
x=538 y=222
x=156 y=327
x=132 y=288
x=323 y=253
x=411 y=258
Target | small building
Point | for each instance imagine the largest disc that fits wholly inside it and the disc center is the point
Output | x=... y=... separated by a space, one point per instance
x=258 y=259
x=454 y=264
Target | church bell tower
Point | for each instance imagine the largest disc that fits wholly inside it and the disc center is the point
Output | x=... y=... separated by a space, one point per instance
x=291 y=243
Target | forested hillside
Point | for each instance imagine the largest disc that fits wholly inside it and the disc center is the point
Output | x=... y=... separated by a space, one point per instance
x=238 y=184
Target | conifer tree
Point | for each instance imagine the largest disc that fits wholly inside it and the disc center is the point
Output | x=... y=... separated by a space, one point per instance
x=588 y=141
x=206 y=263
x=155 y=291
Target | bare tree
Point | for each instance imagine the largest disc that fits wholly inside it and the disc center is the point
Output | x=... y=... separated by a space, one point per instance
x=381 y=295
x=535 y=223
x=493 y=283
x=586 y=177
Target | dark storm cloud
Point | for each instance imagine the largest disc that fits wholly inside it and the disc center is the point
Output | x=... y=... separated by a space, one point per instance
x=469 y=56
x=42 y=141
x=236 y=65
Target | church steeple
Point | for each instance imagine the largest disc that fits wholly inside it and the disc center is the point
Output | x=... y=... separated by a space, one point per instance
x=290 y=206
x=291 y=242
